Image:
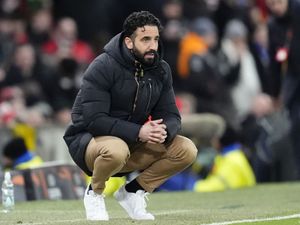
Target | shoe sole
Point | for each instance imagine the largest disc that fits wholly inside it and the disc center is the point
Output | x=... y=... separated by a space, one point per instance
x=96 y=219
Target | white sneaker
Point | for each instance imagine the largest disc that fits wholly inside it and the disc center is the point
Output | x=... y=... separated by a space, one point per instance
x=134 y=203
x=94 y=206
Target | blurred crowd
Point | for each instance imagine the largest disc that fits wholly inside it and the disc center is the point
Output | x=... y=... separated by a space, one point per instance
x=217 y=50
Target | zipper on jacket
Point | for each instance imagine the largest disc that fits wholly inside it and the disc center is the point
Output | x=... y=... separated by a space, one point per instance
x=150 y=94
x=136 y=96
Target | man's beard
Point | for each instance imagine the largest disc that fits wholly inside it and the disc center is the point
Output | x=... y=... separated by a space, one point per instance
x=142 y=59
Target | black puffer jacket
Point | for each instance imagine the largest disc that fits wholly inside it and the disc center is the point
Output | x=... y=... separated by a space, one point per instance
x=116 y=99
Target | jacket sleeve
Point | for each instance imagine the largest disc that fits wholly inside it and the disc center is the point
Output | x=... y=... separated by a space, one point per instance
x=96 y=103
x=166 y=108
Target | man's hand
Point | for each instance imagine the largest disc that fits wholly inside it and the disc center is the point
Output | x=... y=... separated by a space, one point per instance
x=153 y=132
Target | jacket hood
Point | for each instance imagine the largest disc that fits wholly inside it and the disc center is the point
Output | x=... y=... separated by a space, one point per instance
x=116 y=48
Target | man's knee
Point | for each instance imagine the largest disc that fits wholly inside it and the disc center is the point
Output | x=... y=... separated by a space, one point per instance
x=114 y=149
x=184 y=149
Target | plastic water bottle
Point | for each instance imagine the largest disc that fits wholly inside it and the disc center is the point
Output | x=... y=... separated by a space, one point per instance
x=8 y=199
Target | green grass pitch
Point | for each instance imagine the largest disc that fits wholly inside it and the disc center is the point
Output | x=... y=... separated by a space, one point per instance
x=268 y=201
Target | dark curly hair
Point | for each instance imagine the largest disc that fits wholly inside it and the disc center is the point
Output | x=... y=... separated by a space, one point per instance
x=140 y=19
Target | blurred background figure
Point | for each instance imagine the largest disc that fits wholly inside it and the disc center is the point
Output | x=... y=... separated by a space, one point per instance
x=66 y=83
x=257 y=114
x=231 y=169
x=199 y=39
x=243 y=80
x=175 y=26
x=284 y=36
x=39 y=30
x=33 y=78
x=64 y=43
x=201 y=69
x=17 y=156
x=6 y=39
x=201 y=128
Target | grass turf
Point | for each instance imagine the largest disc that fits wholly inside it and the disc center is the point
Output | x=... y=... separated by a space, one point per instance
x=175 y=208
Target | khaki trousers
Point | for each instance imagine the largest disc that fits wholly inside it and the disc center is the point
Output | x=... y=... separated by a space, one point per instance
x=108 y=155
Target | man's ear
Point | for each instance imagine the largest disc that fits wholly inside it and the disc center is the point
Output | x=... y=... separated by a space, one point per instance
x=128 y=42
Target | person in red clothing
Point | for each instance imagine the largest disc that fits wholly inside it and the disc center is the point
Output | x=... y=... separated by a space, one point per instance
x=65 y=44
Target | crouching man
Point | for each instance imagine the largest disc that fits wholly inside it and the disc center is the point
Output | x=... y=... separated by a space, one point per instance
x=111 y=132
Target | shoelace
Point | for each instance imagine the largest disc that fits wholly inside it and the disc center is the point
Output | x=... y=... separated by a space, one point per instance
x=141 y=201
x=98 y=200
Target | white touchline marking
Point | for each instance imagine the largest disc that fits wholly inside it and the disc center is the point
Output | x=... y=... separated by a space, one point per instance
x=256 y=220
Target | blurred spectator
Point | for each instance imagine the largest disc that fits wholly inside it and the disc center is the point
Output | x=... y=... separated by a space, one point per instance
x=7 y=41
x=30 y=75
x=245 y=85
x=17 y=156
x=14 y=111
x=193 y=9
x=285 y=56
x=20 y=36
x=272 y=155
x=212 y=5
x=65 y=44
x=12 y=104
x=201 y=128
x=259 y=46
x=174 y=29
x=200 y=67
x=99 y=16
x=261 y=4
x=65 y=88
x=257 y=116
x=31 y=84
x=233 y=9
x=231 y=169
x=197 y=41
x=40 y=27
x=245 y=82
x=9 y=6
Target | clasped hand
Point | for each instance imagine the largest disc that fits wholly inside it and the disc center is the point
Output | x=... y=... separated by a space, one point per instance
x=153 y=132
